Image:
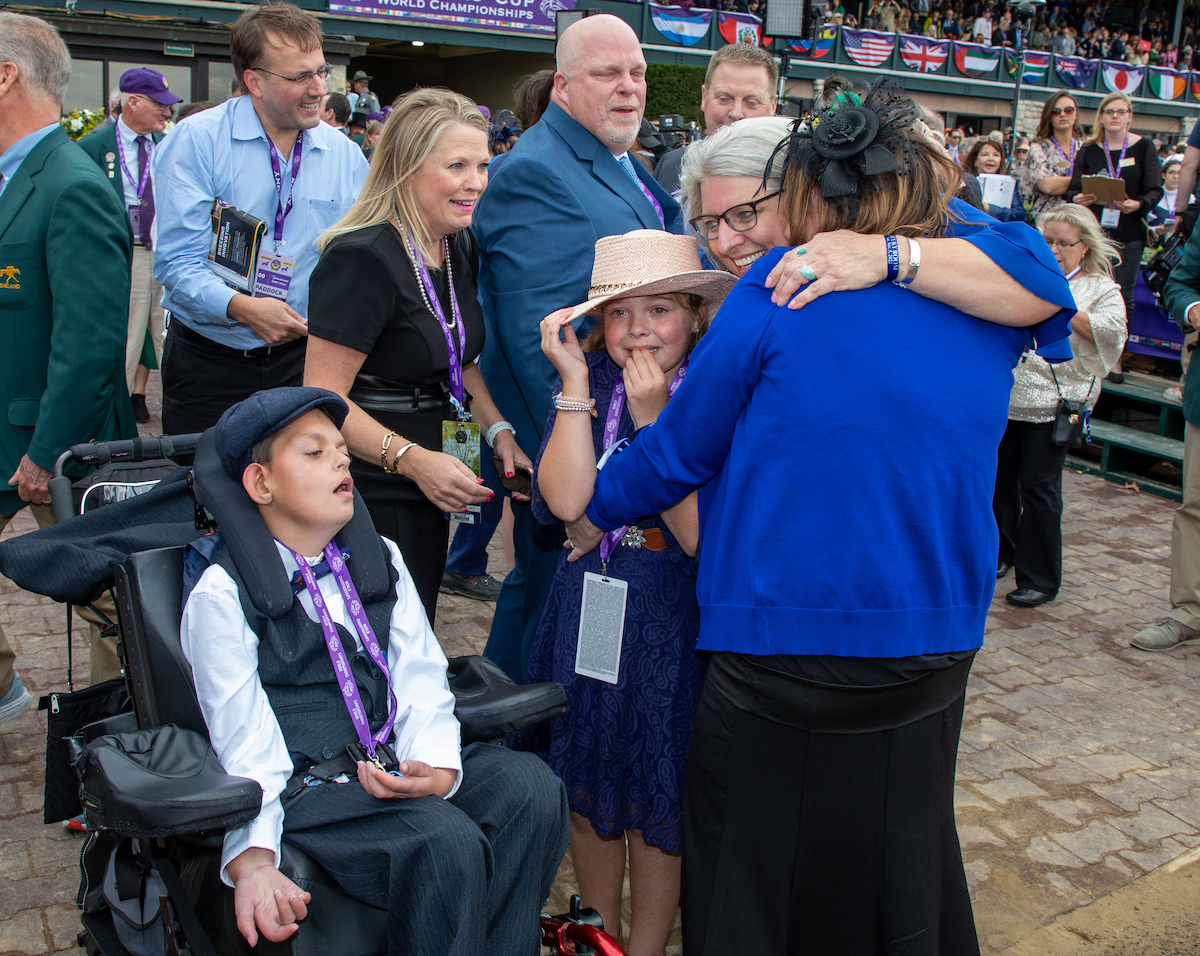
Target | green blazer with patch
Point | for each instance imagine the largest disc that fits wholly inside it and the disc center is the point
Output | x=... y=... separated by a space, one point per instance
x=65 y=250
x=100 y=145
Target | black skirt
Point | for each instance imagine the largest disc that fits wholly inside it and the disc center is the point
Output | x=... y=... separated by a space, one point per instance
x=839 y=841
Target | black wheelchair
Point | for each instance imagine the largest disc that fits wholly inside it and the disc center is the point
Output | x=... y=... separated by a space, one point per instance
x=156 y=801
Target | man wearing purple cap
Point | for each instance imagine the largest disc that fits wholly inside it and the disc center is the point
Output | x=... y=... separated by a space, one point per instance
x=123 y=151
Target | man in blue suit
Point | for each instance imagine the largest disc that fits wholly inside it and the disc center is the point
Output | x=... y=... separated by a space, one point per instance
x=570 y=181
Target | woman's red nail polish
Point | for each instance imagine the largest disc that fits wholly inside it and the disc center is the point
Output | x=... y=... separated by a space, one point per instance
x=508 y=474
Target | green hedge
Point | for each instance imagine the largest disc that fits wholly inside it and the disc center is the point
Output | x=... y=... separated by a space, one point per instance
x=671 y=88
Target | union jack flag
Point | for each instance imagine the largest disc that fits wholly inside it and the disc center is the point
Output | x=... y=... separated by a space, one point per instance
x=868 y=47
x=923 y=54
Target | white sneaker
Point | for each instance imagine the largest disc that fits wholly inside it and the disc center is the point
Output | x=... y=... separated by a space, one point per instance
x=1173 y=394
x=15 y=702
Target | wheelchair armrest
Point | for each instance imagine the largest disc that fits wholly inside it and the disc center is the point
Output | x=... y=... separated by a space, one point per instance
x=489 y=705
x=162 y=782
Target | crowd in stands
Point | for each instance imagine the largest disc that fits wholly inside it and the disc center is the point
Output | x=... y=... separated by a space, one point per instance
x=1064 y=28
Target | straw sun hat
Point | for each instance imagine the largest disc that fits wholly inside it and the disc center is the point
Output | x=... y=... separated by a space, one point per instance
x=651 y=262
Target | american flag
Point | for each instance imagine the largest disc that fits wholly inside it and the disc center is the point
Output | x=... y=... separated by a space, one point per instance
x=868 y=47
x=922 y=54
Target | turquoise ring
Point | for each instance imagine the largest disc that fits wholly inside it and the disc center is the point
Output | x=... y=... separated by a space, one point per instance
x=808 y=273
x=801 y=250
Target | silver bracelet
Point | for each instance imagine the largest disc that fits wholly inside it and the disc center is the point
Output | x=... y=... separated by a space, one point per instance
x=490 y=435
x=914 y=261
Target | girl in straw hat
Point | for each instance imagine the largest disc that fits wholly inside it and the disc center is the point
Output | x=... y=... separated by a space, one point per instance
x=621 y=748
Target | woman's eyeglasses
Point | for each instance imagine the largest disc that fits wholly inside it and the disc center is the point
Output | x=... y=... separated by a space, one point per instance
x=1112 y=114
x=1062 y=243
x=300 y=79
x=1060 y=110
x=740 y=218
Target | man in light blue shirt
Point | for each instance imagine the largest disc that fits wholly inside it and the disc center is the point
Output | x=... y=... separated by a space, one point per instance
x=224 y=345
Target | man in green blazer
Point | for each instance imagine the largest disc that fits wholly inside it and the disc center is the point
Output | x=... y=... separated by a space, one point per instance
x=65 y=249
x=123 y=152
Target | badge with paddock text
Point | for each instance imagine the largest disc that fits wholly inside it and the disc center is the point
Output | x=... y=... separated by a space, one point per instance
x=601 y=627
x=462 y=440
x=1110 y=218
x=273 y=275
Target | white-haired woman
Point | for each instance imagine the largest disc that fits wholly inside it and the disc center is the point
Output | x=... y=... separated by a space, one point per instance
x=394 y=327
x=1028 y=497
x=736 y=215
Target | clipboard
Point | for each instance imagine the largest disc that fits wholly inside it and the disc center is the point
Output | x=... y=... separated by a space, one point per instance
x=1107 y=191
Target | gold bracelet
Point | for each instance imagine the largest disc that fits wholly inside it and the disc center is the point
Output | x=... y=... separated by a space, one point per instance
x=400 y=454
x=387 y=443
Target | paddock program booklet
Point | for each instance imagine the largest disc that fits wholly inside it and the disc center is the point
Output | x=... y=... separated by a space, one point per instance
x=236 y=239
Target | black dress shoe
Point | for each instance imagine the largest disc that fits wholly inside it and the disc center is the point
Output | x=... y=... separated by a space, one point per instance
x=1027 y=597
x=1117 y=378
x=1002 y=569
x=141 y=414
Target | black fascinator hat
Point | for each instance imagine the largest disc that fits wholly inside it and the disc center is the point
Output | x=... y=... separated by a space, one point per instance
x=841 y=147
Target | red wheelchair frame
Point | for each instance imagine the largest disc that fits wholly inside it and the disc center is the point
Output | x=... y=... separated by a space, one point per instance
x=578 y=933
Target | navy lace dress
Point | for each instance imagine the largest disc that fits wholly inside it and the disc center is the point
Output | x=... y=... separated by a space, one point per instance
x=621 y=748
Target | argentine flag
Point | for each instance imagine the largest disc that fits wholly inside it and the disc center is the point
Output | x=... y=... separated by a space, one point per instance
x=684 y=26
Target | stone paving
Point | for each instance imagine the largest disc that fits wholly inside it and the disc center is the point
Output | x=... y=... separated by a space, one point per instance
x=1079 y=770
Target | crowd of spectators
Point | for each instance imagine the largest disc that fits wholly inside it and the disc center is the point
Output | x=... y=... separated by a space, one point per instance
x=1062 y=27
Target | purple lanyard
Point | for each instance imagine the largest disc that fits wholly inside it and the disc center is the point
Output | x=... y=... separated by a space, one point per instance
x=435 y=306
x=608 y=544
x=141 y=186
x=1073 y=273
x=281 y=211
x=333 y=643
x=1069 y=160
x=1112 y=173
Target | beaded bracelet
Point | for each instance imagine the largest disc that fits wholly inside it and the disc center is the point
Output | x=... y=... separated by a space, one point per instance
x=574 y=404
x=893 y=257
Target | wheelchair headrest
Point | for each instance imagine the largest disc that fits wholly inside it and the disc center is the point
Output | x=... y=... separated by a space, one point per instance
x=253 y=550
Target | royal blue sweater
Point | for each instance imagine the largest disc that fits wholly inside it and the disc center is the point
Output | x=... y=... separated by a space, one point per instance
x=846 y=457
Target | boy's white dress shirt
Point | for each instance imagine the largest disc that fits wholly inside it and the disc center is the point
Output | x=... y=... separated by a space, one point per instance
x=223 y=653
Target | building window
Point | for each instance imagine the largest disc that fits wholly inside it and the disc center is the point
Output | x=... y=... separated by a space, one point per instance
x=86 y=89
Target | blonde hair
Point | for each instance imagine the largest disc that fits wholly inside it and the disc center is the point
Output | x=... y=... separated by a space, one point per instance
x=410 y=134
x=1097 y=132
x=1099 y=253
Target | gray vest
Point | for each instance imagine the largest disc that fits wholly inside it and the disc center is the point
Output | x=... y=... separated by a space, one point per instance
x=298 y=676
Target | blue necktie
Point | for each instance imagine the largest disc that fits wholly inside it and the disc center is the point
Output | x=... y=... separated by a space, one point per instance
x=627 y=165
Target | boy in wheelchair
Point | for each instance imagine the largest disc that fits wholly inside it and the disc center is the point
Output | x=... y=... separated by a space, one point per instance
x=340 y=709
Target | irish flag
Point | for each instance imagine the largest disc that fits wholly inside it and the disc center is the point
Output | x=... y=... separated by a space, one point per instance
x=976 y=60
x=1167 y=84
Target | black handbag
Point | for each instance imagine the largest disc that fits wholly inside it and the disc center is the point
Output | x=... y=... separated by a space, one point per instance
x=1070 y=419
x=67 y=715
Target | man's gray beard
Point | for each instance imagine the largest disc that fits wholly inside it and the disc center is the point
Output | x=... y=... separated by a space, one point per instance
x=613 y=136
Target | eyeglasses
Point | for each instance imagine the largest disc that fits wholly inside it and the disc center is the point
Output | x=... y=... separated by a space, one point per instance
x=740 y=218
x=300 y=79
x=1113 y=113
x=1062 y=244
x=1059 y=110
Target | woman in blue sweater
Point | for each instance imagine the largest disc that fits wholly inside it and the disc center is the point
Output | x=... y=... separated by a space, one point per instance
x=845 y=558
